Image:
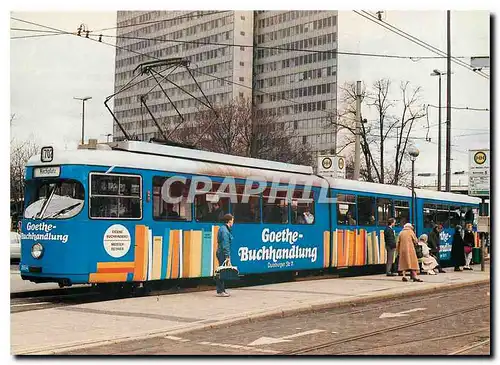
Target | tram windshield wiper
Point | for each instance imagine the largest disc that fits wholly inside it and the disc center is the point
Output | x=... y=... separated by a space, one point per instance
x=64 y=210
x=46 y=203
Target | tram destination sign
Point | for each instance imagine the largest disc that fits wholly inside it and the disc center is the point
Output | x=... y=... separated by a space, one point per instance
x=49 y=171
x=479 y=172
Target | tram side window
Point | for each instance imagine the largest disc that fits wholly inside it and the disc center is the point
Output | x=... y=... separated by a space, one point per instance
x=429 y=213
x=274 y=208
x=346 y=210
x=401 y=212
x=303 y=207
x=211 y=206
x=455 y=216
x=245 y=208
x=442 y=215
x=384 y=210
x=366 y=211
x=171 y=205
x=115 y=196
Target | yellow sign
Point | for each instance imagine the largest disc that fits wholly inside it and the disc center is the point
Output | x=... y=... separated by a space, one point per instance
x=341 y=163
x=327 y=163
x=480 y=158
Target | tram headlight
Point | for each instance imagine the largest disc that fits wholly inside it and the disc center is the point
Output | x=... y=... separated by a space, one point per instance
x=37 y=250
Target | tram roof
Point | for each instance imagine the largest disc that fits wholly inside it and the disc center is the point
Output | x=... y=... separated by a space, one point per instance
x=149 y=156
x=368 y=187
x=206 y=156
x=104 y=156
x=445 y=196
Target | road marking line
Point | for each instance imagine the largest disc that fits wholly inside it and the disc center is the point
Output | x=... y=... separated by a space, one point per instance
x=311 y=332
x=238 y=347
x=25 y=304
x=401 y=314
x=271 y=340
x=174 y=338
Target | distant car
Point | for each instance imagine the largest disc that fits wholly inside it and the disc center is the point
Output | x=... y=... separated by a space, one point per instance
x=15 y=246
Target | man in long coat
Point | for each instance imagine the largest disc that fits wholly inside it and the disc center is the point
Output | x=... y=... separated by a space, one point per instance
x=405 y=246
x=457 y=249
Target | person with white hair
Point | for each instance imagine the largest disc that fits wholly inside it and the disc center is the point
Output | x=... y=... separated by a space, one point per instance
x=405 y=247
x=429 y=263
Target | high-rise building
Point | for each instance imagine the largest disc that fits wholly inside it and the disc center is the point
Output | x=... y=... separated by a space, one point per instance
x=275 y=57
x=299 y=86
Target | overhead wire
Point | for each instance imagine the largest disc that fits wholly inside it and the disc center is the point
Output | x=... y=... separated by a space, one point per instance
x=35 y=30
x=416 y=40
x=461 y=108
x=45 y=33
x=196 y=70
x=288 y=49
x=36 y=35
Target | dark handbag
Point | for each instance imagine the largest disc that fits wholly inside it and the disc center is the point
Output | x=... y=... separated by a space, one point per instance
x=418 y=251
x=227 y=272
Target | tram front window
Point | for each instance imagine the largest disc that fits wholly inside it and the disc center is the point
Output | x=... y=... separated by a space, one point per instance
x=55 y=199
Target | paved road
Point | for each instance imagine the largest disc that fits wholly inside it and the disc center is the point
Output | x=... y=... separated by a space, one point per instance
x=18 y=285
x=439 y=323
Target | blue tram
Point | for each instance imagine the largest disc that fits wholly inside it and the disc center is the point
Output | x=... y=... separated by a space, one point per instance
x=132 y=212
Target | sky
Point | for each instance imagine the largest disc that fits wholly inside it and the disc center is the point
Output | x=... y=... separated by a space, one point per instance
x=48 y=72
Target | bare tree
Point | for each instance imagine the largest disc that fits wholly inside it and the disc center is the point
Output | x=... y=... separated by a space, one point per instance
x=20 y=153
x=238 y=128
x=409 y=115
x=376 y=133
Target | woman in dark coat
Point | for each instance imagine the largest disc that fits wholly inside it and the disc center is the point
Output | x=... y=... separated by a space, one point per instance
x=457 y=249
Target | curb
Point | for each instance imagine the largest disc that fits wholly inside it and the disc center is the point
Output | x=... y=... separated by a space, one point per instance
x=251 y=317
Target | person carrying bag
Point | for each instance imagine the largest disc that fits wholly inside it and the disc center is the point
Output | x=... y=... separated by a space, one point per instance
x=225 y=269
x=227 y=272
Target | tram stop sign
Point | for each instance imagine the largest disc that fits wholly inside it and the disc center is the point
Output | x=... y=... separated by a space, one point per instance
x=483 y=224
x=333 y=166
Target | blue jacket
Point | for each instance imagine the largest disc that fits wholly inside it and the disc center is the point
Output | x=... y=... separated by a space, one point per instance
x=224 y=239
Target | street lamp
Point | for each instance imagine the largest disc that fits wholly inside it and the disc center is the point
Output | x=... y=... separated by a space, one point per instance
x=84 y=99
x=413 y=152
x=439 y=73
x=107 y=136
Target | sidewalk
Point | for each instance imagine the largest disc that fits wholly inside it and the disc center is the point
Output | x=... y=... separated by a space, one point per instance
x=51 y=331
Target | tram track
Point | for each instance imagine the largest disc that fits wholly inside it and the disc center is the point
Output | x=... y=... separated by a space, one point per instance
x=350 y=339
x=423 y=339
x=465 y=349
